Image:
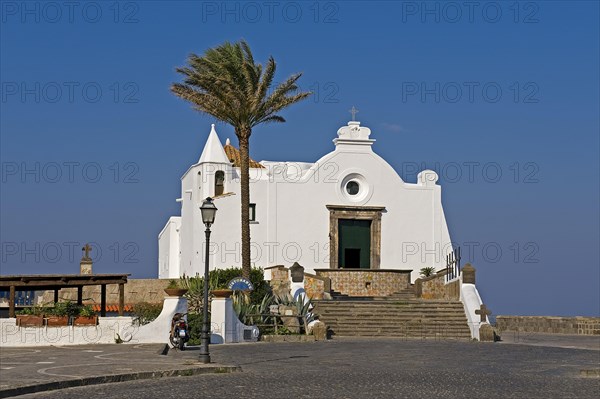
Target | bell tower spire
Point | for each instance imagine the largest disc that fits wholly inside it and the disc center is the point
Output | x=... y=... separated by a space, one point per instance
x=213 y=151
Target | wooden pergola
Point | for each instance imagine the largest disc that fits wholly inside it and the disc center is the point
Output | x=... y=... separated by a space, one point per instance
x=55 y=282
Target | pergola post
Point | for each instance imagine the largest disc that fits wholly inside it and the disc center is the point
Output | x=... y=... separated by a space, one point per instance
x=11 y=302
x=121 y=298
x=103 y=300
x=13 y=285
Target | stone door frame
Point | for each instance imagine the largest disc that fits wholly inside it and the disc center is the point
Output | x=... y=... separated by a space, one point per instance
x=372 y=213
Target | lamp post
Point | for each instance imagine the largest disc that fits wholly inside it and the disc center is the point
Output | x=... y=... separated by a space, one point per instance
x=208 y=210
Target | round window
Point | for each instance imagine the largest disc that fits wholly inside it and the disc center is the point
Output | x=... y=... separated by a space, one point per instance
x=352 y=187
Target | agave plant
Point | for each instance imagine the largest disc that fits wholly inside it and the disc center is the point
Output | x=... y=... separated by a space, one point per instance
x=242 y=305
x=195 y=292
x=249 y=313
x=427 y=271
x=285 y=299
x=304 y=307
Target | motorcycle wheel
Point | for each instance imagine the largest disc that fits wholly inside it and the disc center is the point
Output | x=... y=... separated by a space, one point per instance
x=181 y=344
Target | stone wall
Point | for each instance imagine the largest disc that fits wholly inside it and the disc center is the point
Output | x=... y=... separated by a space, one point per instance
x=279 y=279
x=366 y=282
x=136 y=290
x=434 y=287
x=549 y=324
x=316 y=287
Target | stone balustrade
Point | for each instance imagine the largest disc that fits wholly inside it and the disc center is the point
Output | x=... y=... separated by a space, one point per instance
x=366 y=282
x=549 y=324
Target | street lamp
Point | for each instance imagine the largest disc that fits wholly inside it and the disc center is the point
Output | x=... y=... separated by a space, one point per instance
x=208 y=210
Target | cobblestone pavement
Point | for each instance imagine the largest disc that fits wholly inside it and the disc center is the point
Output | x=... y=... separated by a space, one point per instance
x=555 y=340
x=373 y=368
x=33 y=369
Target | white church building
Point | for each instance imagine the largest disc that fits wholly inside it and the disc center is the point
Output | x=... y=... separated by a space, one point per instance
x=349 y=209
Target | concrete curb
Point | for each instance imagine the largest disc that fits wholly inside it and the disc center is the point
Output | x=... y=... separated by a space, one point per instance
x=106 y=379
x=287 y=338
x=590 y=373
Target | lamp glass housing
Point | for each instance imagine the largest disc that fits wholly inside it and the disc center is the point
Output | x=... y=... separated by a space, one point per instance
x=208 y=210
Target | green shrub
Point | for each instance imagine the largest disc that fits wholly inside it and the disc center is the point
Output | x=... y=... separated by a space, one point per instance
x=218 y=279
x=194 y=328
x=60 y=309
x=144 y=312
x=33 y=311
x=87 y=311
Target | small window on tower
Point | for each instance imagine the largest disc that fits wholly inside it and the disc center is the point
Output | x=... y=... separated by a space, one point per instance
x=219 y=182
x=253 y=212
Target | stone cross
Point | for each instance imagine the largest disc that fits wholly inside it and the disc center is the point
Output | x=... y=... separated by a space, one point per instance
x=483 y=312
x=87 y=248
x=353 y=111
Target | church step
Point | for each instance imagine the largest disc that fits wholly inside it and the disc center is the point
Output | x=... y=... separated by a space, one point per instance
x=372 y=331
x=381 y=302
x=466 y=337
x=394 y=317
x=389 y=311
x=392 y=307
x=415 y=327
x=366 y=301
x=399 y=330
x=380 y=330
x=389 y=308
x=391 y=315
x=394 y=322
x=391 y=318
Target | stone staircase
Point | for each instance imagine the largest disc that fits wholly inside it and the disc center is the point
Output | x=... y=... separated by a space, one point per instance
x=398 y=315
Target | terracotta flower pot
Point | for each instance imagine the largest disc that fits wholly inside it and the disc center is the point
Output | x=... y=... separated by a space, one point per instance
x=57 y=321
x=85 y=320
x=29 y=320
x=221 y=293
x=175 y=291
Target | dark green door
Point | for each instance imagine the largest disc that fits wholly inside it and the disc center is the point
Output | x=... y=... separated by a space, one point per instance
x=354 y=247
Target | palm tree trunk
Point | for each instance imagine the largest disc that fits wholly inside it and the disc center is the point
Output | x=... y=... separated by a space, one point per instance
x=243 y=137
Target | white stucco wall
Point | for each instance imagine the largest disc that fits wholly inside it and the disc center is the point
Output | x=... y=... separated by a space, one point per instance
x=225 y=325
x=156 y=332
x=471 y=300
x=292 y=221
x=104 y=333
x=168 y=249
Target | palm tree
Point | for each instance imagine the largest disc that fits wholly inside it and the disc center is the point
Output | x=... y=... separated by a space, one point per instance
x=227 y=84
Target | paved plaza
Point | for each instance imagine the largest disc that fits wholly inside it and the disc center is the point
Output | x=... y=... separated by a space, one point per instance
x=339 y=368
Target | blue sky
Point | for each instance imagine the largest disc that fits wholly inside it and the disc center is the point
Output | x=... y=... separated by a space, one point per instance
x=501 y=98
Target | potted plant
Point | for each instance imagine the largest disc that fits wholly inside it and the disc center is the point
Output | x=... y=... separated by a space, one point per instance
x=221 y=292
x=173 y=289
x=217 y=288
x=31 y=317
x=85 y=317
x=58 y=316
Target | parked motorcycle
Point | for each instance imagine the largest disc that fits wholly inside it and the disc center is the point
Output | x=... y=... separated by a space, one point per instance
x=179 y=331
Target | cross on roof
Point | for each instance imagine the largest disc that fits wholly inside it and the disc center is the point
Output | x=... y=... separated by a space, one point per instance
x=353 y=111
x=483 y=311
x=87 y=248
